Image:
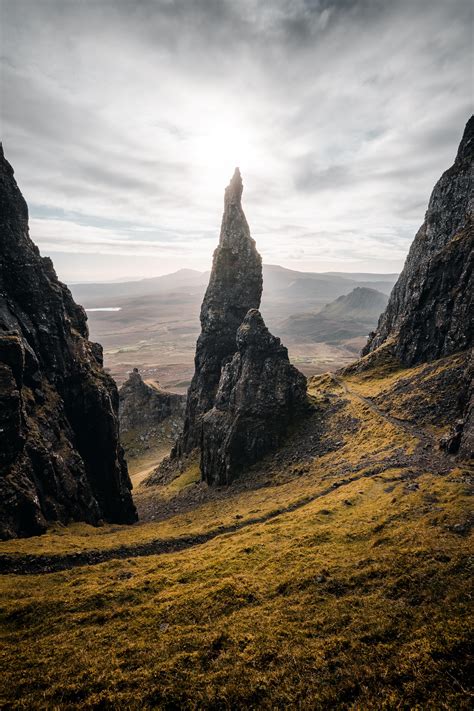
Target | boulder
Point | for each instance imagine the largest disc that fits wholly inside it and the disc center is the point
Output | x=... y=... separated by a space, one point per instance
x=143 y=405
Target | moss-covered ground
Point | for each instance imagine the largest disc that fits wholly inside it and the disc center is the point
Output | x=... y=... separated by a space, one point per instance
x=352 y=591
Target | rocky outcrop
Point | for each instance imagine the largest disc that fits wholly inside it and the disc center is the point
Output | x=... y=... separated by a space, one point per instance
x=235 y=286
x=466 y=440
x=60 y=455
x=143 y=405
x=244 y=392
x=260 y=393
x=460 y=439
x=430 y=311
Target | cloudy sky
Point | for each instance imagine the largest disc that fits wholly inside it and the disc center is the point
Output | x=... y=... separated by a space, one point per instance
x=124 y=120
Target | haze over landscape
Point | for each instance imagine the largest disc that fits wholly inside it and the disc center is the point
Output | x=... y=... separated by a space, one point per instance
x=154 y=323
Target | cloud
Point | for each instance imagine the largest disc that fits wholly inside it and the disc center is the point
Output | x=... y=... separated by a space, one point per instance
x=124 y=121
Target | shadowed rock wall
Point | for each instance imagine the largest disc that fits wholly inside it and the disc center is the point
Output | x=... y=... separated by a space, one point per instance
x=60 y=454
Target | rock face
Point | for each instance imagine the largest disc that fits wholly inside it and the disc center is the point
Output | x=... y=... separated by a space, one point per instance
x=235 y=286
x=466 y=440
x=430 y=311
x=460 y=440
x=143 y=405
x=244 y=392
x=60 y=455
x=260 y=393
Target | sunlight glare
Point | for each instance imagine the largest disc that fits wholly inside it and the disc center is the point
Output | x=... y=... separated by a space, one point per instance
x=219 y=149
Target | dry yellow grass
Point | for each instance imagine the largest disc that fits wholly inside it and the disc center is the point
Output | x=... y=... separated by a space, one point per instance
x=358 y=599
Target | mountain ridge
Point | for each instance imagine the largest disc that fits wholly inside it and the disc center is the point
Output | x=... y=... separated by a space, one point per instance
x=349 y=316
x=93 y=293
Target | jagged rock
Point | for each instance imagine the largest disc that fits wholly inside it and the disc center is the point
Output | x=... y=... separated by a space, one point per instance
x=143 y=405
x=60 y=455
x=451 y=441
x=460 y=440
x=235 y=286
x=430 y=312
x=260 y=393
x=466 y=444
x=244 y=391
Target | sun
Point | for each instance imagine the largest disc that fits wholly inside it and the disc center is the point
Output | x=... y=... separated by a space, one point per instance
x=219 y=147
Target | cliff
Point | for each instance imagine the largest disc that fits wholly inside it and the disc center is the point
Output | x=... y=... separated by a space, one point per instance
x=430 y=310
x=60 y=454
x=430 y=313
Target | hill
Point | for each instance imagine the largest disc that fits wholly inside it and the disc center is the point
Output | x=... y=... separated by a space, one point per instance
x=335 y=573
x=278 y=281
x=110 y=294
x=349 y=316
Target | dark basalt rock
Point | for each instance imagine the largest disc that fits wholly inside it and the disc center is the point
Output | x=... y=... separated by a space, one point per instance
x=260 y=393
x=235 y=286
x=60 y=455
x=430 y=312
x=143 y=405
x=460 y=439
x=466 y=442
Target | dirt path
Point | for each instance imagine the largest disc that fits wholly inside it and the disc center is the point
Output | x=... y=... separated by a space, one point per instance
x=138 y=476
x=139 y=470
x=40 y=564
x=429 y=442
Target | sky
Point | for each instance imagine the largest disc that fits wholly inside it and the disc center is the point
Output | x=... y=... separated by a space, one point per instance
x=124 y=120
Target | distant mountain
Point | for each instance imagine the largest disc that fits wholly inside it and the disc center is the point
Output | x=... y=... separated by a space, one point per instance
x=103 y=294
x=279 y=284
x=287 y=292
x=279 y=280
x=362 y=304
x=365 y=276
x=163 y=312
x=349 y=316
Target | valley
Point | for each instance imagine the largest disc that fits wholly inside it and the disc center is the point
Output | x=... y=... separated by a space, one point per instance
x=158 y=322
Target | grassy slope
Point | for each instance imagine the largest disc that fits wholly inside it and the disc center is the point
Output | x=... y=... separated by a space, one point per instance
x=357 y=599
